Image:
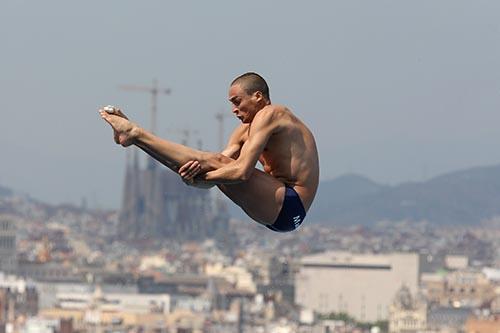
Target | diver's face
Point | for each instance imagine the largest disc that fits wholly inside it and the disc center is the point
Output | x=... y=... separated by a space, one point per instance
x=244 y=106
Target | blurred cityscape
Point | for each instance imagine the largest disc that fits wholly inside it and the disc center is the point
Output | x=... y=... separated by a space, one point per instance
x=172 y=260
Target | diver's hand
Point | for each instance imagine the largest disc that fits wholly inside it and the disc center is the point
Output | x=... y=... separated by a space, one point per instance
x=188 y=173
x=189 y=170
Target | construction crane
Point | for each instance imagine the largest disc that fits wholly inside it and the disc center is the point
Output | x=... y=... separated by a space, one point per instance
x=220 y=116
x=154 y=91
x=220 y=119
x=185 y=135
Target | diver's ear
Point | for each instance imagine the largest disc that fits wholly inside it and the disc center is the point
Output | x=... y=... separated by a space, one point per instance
x=258 y=95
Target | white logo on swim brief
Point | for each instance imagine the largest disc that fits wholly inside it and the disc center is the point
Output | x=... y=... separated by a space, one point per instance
x=296 y=221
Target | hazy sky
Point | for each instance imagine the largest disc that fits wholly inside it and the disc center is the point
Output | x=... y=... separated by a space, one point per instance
x=394 y=90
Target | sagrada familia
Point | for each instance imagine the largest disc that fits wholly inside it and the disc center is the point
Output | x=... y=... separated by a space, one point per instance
x=156 y=203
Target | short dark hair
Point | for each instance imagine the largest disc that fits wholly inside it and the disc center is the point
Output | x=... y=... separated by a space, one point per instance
x=252 y=82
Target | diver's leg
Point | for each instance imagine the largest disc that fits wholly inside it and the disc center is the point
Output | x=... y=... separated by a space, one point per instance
x=174 y=155
x=170 y=154
x=261 y=196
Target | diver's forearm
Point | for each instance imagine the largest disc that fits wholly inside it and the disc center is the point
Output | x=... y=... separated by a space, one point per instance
x=228 y=174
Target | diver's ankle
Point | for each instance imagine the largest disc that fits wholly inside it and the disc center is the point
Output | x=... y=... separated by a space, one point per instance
x=136 y=133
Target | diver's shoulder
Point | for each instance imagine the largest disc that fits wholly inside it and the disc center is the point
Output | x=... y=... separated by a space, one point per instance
x=277 y=107
x=275 y=110
x=276 y=114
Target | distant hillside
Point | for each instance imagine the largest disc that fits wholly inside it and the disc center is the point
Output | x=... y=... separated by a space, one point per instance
x=462 y=197
x=4 y=191
x=24 y=206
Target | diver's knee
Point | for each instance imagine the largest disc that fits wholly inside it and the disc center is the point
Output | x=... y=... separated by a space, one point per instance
x=222 y=158
x=217 y=159
x=213 y=160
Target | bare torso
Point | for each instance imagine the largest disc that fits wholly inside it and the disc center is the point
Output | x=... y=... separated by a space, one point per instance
x=290 y=154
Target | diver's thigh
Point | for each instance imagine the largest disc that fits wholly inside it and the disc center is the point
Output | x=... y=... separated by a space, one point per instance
x=261 y=196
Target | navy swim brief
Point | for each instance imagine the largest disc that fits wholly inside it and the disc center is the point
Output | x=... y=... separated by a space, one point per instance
x=292 y=213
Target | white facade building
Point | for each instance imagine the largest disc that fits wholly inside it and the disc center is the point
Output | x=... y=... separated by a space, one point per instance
x=361 y=285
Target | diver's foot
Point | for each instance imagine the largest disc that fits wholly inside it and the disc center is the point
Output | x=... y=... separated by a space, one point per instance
x=125 y=131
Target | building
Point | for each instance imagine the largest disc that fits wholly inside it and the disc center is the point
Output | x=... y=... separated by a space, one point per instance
x=48 y=271
x=238 y=276
x=18 y=299
x=407 y=314
x=187 y=288
x=8 y=261
x=456 y=262
x=38 y=325
x=99 y=310
x=487 y=324
x=361 y=285
x=447 y=319
x=461 y=288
